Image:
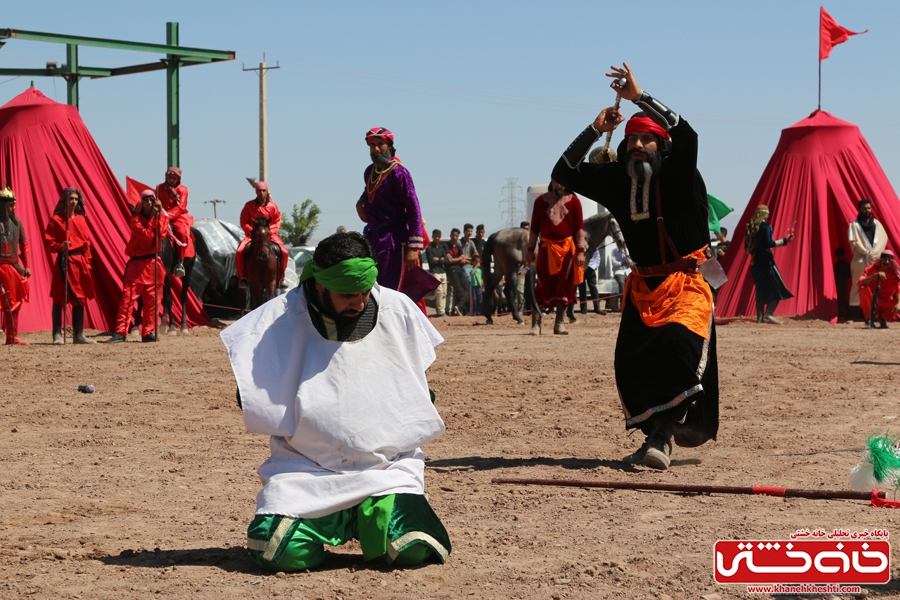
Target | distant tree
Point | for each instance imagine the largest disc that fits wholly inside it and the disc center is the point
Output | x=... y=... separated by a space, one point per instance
x=296 y=230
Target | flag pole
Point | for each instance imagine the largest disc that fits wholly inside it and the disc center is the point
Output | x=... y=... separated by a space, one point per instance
x=820 y=84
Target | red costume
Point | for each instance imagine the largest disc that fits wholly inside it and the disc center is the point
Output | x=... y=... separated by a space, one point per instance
x=887 y=293
x=81 y=286
x=559 y=224
x=250 y=213
x=174 y=201
x=13 y=247
x=139 y=272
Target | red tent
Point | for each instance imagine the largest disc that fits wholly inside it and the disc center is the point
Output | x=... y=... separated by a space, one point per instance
x=821 y=168
x=44 y=148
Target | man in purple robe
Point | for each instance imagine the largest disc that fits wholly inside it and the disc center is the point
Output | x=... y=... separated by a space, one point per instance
x=390 y=209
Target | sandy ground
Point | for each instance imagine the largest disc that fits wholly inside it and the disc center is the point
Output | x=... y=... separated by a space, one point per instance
x=145 y=487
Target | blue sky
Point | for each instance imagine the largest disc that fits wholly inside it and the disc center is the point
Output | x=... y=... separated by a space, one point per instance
x=475 y=92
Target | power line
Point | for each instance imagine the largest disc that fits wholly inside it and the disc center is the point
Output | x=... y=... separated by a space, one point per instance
x=214 y=201
x=511 y=201
x=263 y=127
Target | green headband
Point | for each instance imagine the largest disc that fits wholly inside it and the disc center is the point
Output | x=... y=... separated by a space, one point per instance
x=350 y=276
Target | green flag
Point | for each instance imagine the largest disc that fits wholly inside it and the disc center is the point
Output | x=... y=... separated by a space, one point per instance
x=717 y=211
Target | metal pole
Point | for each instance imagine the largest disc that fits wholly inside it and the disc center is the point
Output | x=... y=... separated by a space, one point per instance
x=172 y=117
x=703 y=489
x=65 y=275
x=72 y=77
x=263 y=142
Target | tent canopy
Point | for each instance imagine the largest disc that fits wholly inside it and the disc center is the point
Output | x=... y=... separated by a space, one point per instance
x=821 y=168
x=45 y=147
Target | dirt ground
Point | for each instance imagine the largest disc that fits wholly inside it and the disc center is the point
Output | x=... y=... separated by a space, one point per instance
x=145 y=487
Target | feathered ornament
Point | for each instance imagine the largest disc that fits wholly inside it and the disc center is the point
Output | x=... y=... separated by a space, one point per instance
x=881 y=465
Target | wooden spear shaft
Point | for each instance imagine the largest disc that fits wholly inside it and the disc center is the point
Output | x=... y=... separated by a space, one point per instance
x=702 y=489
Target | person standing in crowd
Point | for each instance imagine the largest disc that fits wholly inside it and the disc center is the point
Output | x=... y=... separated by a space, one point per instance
x=880 y=278
x=174 y=197
x=868 y=239
x=347 y=422
x=525 y=225
x=587 y=289
x=476 y=284
x=458 y=298
x=479 y=240
x=436 y=257
x=722 y=242
x=665 y=360
x=770 y=288
x=261 y=207
x=68 y=236
x=556 y=220
x=144 y=272
x=842 y=284
x=13 y=277
x=390 y=209
x=621 y=264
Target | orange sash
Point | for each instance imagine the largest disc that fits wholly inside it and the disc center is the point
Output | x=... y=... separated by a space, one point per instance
x=557 y=251
x=683 y=297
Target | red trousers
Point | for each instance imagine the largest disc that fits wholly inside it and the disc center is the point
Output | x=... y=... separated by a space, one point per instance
x=182 y=230
x=139 y=283
x=883 y=307
x=239 y=256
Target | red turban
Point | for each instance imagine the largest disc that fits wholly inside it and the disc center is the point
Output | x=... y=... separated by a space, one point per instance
x=147 y=194
x=262 y=185
x=174 y=170
x=645 y=124
x=380 y=132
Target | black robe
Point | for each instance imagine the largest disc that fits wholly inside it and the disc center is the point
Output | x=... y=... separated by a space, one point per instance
x=666 y=371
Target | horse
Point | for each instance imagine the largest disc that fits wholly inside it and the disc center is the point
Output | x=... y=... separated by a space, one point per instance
x=507 y=249
x=261 y=264
x=169 y=260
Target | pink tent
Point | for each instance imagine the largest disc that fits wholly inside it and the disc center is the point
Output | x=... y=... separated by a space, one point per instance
x=45 y=148
x=821 y=168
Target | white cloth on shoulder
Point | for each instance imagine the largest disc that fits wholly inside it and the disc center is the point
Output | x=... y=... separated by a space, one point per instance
x=347 y=419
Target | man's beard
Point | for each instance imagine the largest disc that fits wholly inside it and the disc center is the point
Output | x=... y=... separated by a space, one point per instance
x=641 y=170
x=383 y=159
x=328 y=307
x=559 y=192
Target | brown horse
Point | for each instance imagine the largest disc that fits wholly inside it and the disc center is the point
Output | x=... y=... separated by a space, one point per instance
x=261 y=264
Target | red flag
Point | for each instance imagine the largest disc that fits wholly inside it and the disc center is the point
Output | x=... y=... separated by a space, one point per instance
x=831 y=34
x=133 y=189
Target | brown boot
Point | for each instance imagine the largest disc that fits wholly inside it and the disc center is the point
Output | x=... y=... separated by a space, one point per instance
x=558 y=327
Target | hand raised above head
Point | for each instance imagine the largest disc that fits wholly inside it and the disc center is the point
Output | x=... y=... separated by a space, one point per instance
x=608 y=119
x=630 y=90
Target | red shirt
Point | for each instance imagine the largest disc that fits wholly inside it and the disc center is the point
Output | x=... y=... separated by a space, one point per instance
x=78 y=235
x=890 y=287
x=176 y=207
x=253 y=211
x=143 y=232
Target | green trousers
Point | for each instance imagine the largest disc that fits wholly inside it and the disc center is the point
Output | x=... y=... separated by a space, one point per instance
x=402 y=528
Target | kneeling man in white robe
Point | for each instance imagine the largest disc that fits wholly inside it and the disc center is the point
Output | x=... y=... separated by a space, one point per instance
x=334 y=372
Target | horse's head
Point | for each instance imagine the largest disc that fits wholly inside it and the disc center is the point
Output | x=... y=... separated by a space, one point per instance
x=260 y=232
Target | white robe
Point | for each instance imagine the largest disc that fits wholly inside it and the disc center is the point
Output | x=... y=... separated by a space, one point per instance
x=347 y=419
x=864 y=253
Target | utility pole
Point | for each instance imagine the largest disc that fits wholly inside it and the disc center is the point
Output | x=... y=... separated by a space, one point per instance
x=263 y=143
x=510 y=211
x=214 y=201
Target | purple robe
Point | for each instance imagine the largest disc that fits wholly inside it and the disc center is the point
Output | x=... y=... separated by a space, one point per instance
x=393 y=223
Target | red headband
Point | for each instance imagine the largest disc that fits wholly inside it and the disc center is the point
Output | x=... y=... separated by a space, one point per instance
x=645 y=124
x=380 y=132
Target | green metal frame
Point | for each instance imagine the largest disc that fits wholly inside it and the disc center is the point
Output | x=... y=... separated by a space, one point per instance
x=176 y=57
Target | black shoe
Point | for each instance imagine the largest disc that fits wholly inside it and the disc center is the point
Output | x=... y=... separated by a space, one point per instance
x=149 y=338
x=178 y=271
x=115 y=339
x=636 y=457
x=882 y=323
